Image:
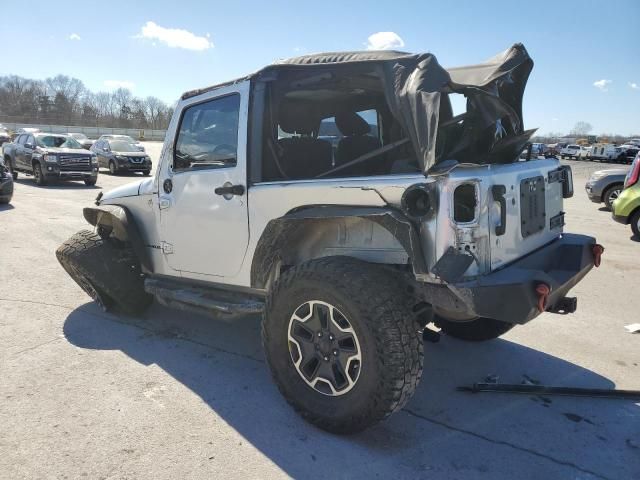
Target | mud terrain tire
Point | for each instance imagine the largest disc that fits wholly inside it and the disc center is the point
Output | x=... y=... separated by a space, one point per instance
x=379 y=313
x=478 y=330
x=108 y=272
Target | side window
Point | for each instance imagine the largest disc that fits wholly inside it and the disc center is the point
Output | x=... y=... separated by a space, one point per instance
x=20 y=139
x=208 y=135
x=30 y=140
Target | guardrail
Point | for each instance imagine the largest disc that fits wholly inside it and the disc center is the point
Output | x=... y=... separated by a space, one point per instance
x=93 y=132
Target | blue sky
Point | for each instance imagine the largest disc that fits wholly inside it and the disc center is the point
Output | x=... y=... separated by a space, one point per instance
x=573 y=43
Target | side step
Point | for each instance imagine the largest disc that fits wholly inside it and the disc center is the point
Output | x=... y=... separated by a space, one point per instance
x=203 y=299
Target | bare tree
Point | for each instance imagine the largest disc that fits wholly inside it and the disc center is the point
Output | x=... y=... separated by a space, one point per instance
x=581 y=128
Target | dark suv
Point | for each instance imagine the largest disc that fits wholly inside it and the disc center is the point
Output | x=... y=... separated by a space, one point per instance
x=49 y=156
x=121 y=156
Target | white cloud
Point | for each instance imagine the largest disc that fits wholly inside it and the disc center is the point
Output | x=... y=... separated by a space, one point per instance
x=74 y=36
x=602 y=85
x=115 y=84
x=634 y=85
x=175 y=37
x=384 y=41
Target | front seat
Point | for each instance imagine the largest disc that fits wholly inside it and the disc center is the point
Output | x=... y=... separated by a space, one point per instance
x=356 y=142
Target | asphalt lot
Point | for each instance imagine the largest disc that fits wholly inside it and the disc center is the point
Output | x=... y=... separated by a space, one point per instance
x=175 y=395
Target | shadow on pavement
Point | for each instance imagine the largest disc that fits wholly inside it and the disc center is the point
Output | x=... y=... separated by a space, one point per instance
x=58 y=185
x=439 y=432
x=6 y=206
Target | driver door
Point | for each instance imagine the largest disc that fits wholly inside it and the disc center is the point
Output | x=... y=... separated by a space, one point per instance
x=203 y=201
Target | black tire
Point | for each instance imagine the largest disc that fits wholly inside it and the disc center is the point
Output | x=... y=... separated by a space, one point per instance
x=12 y=171
x=90 y=182
x=478 y=330
x=146 y=173
x=113 y=168
x=610 y=194
x=106 y=270
x=388 y=340
x=635 y=223
x=38 y=176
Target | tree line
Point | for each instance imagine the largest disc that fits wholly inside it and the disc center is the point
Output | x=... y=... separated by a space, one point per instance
x=63 y=100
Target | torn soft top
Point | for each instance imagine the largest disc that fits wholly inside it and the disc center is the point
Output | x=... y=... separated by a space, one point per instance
x=417 y=89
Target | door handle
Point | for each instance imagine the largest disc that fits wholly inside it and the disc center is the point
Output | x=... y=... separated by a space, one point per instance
x=228 y=190
x=498 y=192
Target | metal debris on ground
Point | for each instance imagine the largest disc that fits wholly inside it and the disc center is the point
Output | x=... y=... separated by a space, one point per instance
x=548 y=390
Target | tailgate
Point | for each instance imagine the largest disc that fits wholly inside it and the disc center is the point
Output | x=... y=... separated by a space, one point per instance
x=525 y=208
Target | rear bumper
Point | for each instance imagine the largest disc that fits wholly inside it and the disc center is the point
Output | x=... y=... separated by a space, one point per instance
x=510 y=295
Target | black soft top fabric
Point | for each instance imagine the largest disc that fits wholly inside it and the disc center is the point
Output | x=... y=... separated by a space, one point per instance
x=416 y=88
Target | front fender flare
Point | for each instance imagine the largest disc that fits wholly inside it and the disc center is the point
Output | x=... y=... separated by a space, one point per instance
x=121 y=220
x=272 y=241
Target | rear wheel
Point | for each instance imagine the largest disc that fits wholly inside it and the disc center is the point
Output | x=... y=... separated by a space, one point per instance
x=610 y=195
x=38 y=176
x=478 y=330
x=106 y=270
x=344 y=357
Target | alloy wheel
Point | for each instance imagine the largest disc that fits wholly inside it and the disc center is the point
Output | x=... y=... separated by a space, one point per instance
x=324 y=348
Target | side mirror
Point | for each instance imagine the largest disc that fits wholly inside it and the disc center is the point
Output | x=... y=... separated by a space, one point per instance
x=29 y=145
x=105 y=149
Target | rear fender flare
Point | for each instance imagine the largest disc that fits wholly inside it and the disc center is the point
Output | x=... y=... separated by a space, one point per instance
x=120 y=222
x=273 y=243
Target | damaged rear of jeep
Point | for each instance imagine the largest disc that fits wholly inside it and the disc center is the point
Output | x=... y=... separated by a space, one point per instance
x=342 y=196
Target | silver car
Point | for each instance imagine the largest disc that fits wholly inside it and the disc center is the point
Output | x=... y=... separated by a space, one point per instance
x=604 y=186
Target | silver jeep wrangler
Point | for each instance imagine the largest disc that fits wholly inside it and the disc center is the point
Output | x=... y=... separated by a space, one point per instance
x=341 y=196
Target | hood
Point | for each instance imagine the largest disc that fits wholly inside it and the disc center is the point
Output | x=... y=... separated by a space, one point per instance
x=131 y=154
x=79 y=151
x=611 y=171
x=132 y=189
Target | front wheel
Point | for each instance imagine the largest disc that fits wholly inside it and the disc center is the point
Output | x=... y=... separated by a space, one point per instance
x=478 y=330
x=107 y=271
x=611 y=194
x=112 y=167
x=344 y=357
x=38 y=176
x=90 y=182
x=635 y=223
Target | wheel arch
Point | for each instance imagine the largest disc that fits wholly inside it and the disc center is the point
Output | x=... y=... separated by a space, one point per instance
x=119 y=220
x=376 y=234
x=608 y=187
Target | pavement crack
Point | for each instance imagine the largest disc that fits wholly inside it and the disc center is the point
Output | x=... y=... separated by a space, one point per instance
x=19 y=352
x=36 y=302
x=505 y=443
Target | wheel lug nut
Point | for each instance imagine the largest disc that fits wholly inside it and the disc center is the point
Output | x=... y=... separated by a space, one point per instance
x=319 y=334
x=326 y=359
x=335 y=353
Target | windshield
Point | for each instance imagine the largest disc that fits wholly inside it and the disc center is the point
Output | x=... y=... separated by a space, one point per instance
x=57 y=141
x=78 y=136
x=122 y=146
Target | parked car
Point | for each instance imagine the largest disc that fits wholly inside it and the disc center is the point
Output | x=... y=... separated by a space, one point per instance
x=604 y=186
x=125 y=138
x=605 y=152
x=626 y=208
x=627 y=153
x=347 y=261
x=584 y=153
x=119 y=155
x=570 y=151
x=82 y=139
x=48 y=157
x=6 y=184
x=5 y=136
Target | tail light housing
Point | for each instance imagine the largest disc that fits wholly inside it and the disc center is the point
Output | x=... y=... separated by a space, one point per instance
x=634 y=173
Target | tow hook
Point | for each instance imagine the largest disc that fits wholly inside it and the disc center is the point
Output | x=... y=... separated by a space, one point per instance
x=543 y=291
x=564 y=306
x=597 y=250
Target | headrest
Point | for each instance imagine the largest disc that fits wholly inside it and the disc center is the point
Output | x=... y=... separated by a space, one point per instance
x=350 y=123
x=294 y=120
